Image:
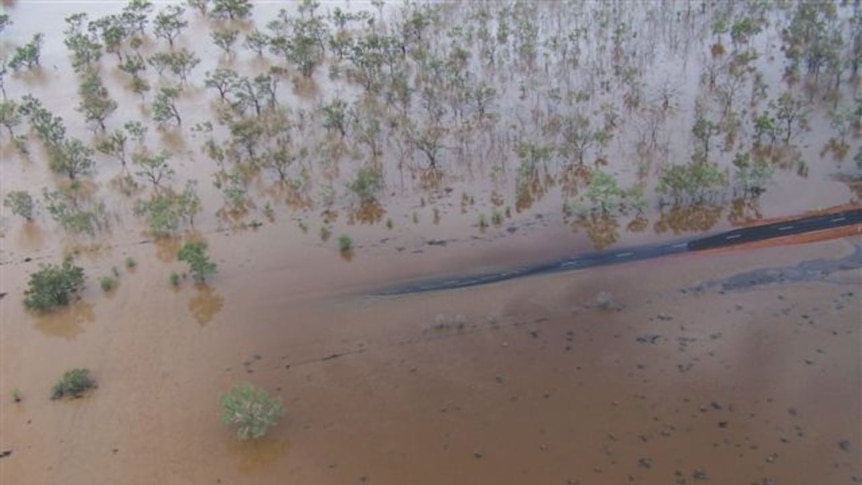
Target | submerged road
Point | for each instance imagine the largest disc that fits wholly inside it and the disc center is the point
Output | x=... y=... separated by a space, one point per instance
x=603 y=258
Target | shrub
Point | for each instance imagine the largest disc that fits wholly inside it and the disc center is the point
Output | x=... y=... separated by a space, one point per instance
x=200 y=265
x=345 y=243
x=20 y=202
x=131 y=263
x=53 y=285
x=497 y=218
x=483 y=221
x=108 y=283
x=325 y=232
x=74 y=383
x=251 y=410
x=15 y=394
x=175 y=279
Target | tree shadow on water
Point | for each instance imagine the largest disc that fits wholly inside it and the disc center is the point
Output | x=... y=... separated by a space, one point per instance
x=257 y=455
x=206 y=304
x=66 y=322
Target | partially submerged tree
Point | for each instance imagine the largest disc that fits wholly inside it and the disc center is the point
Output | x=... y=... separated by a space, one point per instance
x=230 y=9
x=96 y=103
x=54 y=286
x=73 y=384
x=225 y=39
x=72 y=158
x=165 y=105
x=27 y=56
x=83 y=43
x=251 y=409
x=169 y=23
x=113 y=33
x=136 y=16
x=153 y=167
x=200 y=266
x=20 y=202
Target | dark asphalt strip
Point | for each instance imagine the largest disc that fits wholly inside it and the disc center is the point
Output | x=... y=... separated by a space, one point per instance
x=605 y=258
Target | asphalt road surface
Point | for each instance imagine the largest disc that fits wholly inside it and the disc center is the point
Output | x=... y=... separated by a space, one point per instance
x=603 y=258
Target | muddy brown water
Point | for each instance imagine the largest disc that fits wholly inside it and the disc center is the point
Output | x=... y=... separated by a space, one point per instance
x=523 y=382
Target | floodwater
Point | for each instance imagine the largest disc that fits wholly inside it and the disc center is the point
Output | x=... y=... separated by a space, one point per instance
x=531 y=381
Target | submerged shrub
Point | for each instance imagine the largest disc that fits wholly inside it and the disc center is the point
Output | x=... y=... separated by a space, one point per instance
x=74 y=383
x=108 y=283
x=251 y=410
x=345 y=243
x=53 y=286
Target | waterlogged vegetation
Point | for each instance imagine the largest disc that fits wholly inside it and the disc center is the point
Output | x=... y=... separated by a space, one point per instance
x=526 y=105
x=606 y=118
x=73 y=384
x=54 y=286
x=251 y=410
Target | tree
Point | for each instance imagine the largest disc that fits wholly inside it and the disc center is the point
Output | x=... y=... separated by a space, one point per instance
x=169 y=23
x=225 y=39
x=73 y=212
x=96 y=104
x=300 y=40
x=72 y=158
x=368 y=181
x=135 y=16
x=604 y=191
x=4 y=21
x=200 y=266
x=74 y=383
x=257 y=41
x=136 y=130
x=112 y=32
x=251 y=410
x=10 y=116
x=703 y=130
x=133 y=64
x=223 y=80
x=114 y=145
x=200 y=5
x=20 y=202
x=791 y=112
x=164 y=105
x=84 y=45
x=232 y=9
x=160 y=213
x=180 y=62
x=153 y=167
x=28 y=54
x=54 y=286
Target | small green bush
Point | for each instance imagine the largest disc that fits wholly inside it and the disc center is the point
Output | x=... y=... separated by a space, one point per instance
x=74 y=383
x=108 y=283
x=131 y=263
x=251 y=410
x=175 y=279
x=20 y=203
x=497 y=218
x=345 y=243
x=195 y=255
x=325 y=233
x=15 y=394
x=53 y=286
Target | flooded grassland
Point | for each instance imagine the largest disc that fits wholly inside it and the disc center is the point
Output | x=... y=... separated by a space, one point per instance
x=439 y=139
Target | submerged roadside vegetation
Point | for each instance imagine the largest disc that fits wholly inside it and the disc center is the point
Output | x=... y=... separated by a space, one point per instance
x=623 y=118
